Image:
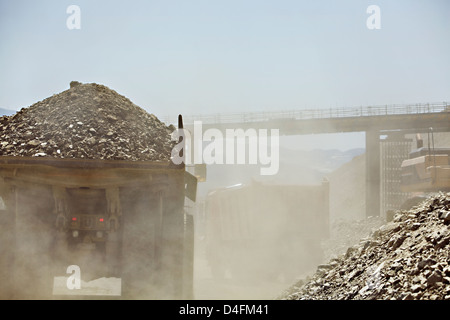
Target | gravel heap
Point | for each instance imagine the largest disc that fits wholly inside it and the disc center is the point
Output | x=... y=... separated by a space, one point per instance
x=406 y=259
x=88 y=121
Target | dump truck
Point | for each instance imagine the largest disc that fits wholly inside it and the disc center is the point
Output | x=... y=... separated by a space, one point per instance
x=86 y=228
x=266 y=231
x=427 y=169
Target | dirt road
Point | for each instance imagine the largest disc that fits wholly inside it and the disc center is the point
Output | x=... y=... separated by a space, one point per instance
x=207 y=288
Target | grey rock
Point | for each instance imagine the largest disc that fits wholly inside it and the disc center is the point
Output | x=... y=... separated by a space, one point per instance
x=86 y=115
x=434 y=278
x=33 y=143
x=419 y=267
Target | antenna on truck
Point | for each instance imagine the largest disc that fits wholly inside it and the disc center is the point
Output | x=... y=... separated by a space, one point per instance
x=180 y=121
x=182 y=136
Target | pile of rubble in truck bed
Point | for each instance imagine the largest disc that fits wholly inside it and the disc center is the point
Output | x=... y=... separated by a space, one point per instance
x=408 y=258
x=87 y=121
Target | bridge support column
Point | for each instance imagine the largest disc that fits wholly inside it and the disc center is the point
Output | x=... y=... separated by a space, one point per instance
x=373 y=173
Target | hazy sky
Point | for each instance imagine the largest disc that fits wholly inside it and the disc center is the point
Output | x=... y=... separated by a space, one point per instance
x=211 y=56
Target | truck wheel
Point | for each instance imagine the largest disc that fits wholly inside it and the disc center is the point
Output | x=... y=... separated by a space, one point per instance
x=188 y=256
x=33 y=229
x=6 y=254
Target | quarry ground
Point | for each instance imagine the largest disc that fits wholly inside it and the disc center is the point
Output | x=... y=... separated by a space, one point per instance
x=208 y=288
x=404 y=259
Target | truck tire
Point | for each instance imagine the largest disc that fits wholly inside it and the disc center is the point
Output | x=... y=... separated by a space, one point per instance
x=188 y=286
x=6 y=254
x=33 y=241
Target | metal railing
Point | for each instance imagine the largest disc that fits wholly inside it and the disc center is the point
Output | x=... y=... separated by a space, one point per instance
x=308 y=114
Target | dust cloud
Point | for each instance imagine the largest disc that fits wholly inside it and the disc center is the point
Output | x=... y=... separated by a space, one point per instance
x=112 y=216
x=126 y=226
x=135 y=262
x=255 y=235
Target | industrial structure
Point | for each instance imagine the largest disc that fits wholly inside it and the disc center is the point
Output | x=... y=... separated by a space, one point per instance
x=375 y=121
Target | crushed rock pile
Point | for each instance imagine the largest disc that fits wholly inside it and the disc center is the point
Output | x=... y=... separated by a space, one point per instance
x=88 y=121
x=406 y=259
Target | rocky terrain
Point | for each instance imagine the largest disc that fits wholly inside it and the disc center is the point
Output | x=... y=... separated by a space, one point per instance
x=87 y=121
x=406 y=259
